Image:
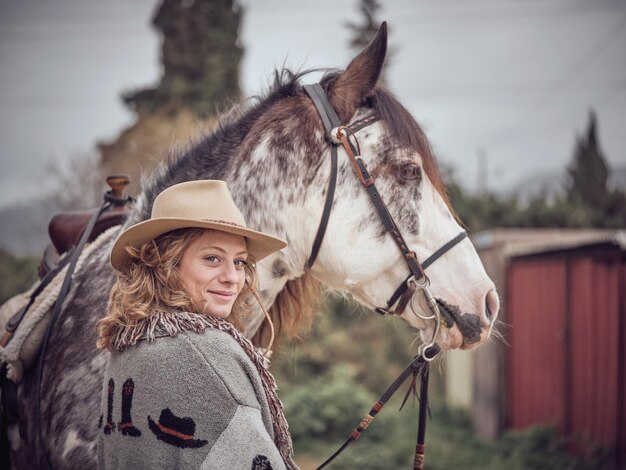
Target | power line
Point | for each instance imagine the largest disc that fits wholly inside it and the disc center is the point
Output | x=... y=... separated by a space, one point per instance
x=590 y=54
x=518 y=89
x=445 y=12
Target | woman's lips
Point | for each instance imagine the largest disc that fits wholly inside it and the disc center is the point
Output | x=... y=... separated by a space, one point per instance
x=222 y=295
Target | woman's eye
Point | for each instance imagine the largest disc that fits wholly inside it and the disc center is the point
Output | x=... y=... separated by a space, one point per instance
x=240 y=263
x=212 y=259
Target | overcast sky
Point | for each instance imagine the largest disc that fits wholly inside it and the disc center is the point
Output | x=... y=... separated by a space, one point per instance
x=511 y=80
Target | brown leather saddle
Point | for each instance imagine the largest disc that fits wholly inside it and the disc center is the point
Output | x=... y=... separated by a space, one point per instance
x=66 y=228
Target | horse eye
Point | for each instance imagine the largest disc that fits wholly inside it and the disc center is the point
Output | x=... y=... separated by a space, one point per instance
x=410 y=172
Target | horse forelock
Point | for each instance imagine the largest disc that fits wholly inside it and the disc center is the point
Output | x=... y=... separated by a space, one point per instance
x=404 y=130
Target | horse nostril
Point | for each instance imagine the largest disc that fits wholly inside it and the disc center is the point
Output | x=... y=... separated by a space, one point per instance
x=492 y=304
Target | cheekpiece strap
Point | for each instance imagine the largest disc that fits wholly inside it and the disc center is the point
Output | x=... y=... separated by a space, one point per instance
x=331 y=121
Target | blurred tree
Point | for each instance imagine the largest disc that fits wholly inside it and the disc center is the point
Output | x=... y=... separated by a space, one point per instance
x=363 y=32
x=77 y=185
x=587 y=190
x=200 y=56
x=586 y=202
x=335 y=332
x=330 y=381
x=482 y=210
x=615 y=210
x=323 y=410
x=17 y=274
x=588 y=172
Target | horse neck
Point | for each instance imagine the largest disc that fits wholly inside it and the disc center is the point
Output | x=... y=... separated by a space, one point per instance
x=268 y=196
x=207 y=158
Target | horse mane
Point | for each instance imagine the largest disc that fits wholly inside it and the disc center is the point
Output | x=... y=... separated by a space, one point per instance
x=292 y=310
x=212 y=152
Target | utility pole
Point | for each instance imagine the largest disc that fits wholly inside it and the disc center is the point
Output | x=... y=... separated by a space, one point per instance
x=483 y=170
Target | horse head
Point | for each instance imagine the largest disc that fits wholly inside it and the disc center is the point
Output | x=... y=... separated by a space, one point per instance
x=288 y=157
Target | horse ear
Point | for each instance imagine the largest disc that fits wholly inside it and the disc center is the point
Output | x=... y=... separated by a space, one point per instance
x=355 y=83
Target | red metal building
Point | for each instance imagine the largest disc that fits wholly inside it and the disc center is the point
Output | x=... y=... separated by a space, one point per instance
x=565 y=305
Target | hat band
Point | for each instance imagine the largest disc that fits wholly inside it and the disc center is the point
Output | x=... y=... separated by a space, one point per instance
x=227 y=222
x=174 y=433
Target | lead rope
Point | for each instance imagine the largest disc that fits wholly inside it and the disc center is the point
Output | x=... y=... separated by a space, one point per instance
x=419 y=366
x=420 y=446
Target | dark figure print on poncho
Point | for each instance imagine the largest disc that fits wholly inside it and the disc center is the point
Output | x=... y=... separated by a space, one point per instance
x=126 y=424
x=176 y=431
x=261 y=462
x=109 y=427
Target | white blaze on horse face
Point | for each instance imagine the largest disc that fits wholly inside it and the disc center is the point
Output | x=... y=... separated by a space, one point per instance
x=457 y=278
x=355 y=259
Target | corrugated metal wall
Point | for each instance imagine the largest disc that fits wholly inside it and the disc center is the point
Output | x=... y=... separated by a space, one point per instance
x=594 y=358
x=536 y=361
x=567 y=335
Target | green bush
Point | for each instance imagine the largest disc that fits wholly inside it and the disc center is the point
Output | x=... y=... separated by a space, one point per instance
x=540 y=447
x=17 y=274
x=323 y=412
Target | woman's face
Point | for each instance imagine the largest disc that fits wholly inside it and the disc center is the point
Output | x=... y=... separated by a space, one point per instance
x=212 y=271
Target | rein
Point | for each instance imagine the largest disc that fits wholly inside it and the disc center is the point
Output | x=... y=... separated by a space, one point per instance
x=54 y=316
x=338 y=134
x=110 y=199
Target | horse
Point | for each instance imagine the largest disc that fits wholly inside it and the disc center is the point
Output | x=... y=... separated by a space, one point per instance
x=273 y=154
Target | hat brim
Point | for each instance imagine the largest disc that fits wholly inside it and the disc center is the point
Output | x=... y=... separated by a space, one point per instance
x=259 y=245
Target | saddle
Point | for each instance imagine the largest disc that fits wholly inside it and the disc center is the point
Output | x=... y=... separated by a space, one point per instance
x=66 y=228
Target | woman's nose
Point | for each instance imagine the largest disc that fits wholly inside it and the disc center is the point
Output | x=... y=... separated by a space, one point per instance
x=229 y=273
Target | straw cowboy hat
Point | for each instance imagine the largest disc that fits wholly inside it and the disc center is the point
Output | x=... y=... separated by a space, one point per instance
x=203 y=204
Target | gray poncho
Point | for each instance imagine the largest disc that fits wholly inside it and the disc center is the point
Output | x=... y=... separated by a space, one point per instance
x=189 y=399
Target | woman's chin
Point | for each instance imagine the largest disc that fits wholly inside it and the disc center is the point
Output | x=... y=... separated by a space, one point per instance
x=218 y=311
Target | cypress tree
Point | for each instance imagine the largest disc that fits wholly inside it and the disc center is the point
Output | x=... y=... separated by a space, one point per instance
x=200 y=54
x=364 y=32
x=588 y=172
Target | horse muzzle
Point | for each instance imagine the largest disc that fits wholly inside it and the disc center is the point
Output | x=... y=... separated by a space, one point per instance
x=467 y=330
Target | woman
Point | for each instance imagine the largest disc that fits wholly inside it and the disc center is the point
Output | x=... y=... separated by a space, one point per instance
x=183 y=388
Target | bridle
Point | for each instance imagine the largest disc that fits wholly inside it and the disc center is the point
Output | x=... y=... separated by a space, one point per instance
x=338 y=134
x=344 y=135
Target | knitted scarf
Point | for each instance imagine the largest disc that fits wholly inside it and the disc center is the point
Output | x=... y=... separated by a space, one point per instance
x=172 y=323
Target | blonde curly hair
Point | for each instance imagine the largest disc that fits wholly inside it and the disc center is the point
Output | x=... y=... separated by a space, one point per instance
x=152 y=284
